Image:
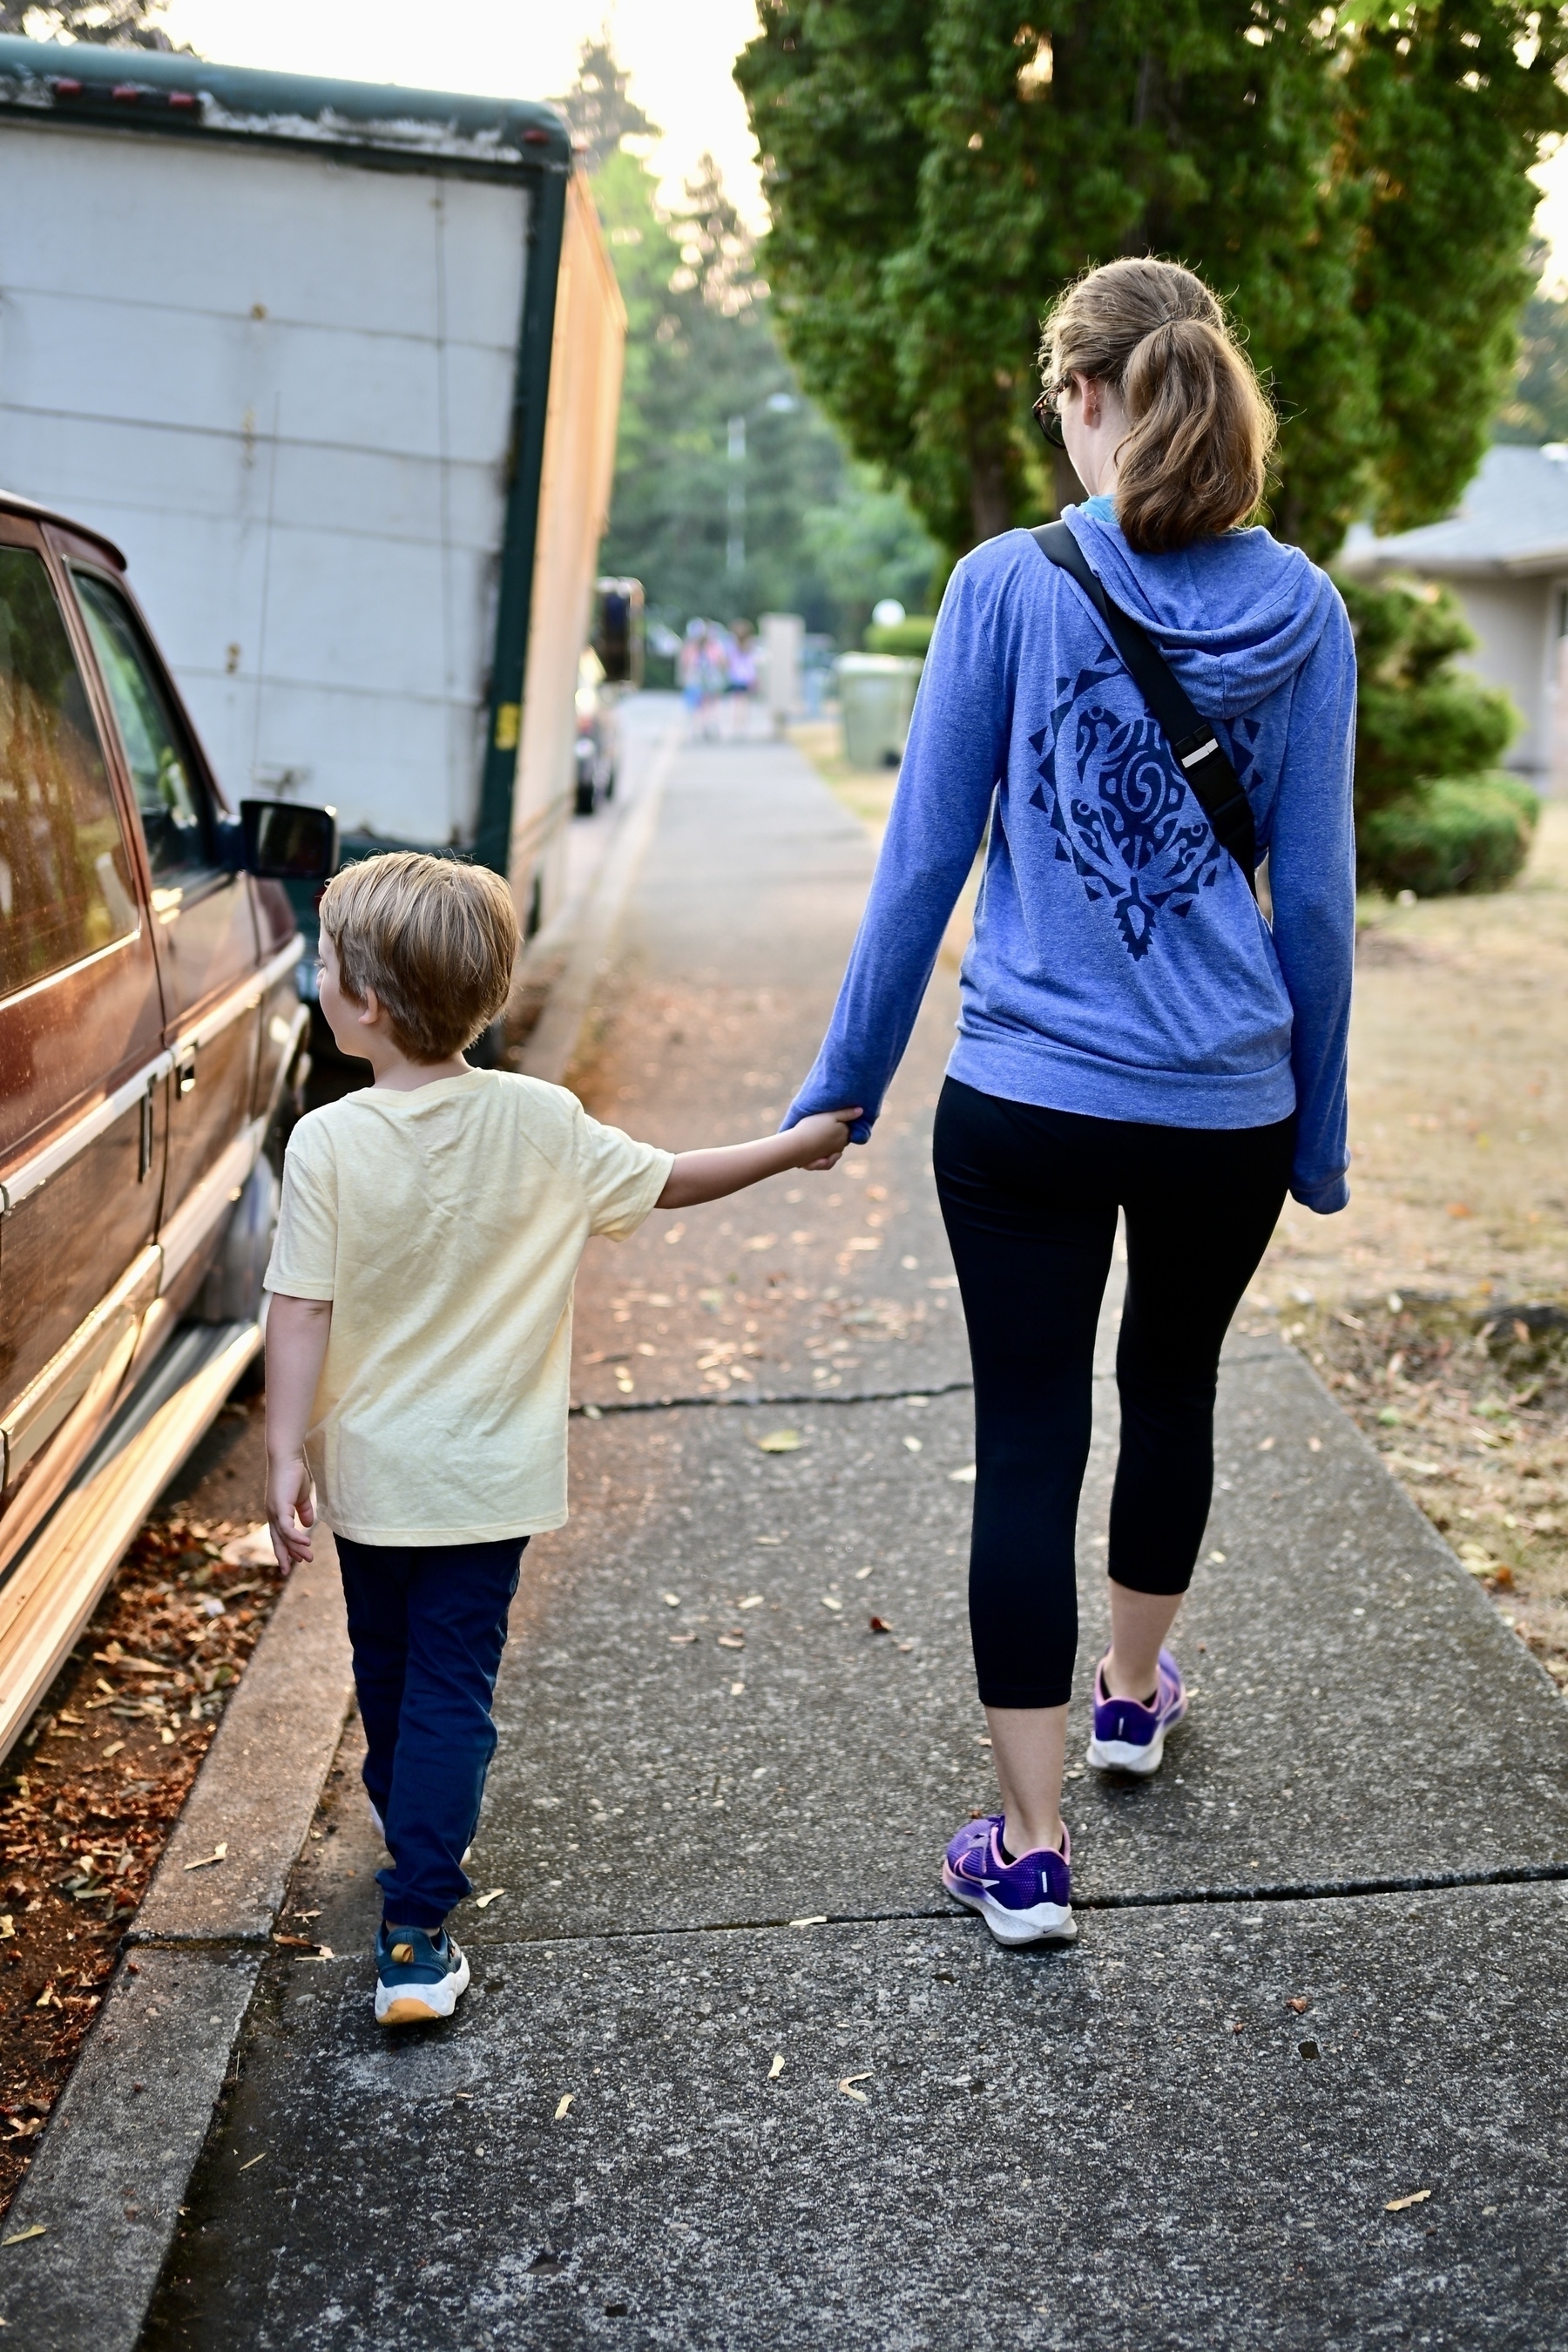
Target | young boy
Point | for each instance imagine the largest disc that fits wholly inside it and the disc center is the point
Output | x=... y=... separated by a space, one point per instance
x=418 y=1344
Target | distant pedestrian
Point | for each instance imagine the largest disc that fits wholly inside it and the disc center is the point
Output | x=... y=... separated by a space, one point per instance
x=692 y=676
x=418 y=1344
x=743 y=679
x=1134 y=1034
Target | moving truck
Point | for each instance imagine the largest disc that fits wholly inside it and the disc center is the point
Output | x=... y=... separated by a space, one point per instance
x=337 y=366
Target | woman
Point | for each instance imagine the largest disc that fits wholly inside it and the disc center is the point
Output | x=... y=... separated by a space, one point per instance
x=1133 y=1034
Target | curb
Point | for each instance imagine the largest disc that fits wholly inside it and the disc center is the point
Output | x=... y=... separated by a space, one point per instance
x=90 y=2227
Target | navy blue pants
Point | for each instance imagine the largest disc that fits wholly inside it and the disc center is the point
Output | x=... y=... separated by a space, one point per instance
x=428 y=1624
x=1030 y=1197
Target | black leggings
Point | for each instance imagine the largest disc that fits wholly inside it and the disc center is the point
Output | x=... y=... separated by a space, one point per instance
x=1030 y=1197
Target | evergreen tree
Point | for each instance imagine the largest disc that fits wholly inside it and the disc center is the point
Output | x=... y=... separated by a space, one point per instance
x=116 y=24
x=731 y=495
x=1352 y=180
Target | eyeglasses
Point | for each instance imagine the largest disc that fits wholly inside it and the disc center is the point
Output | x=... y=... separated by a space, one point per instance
x=1047 y=416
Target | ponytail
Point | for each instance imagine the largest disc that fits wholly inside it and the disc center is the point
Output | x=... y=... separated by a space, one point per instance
x=1194 y=462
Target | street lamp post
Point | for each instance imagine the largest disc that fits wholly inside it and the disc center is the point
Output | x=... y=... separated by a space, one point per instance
x=777 y=403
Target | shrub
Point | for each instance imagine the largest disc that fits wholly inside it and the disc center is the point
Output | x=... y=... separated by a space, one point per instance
x=1459 y=833
x=907 y=637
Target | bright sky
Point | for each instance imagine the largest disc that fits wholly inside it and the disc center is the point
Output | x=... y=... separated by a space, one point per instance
x=679 y=54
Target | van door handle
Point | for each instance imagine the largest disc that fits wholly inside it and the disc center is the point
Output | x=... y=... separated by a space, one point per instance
x=144 y=1146
x=185 y=1073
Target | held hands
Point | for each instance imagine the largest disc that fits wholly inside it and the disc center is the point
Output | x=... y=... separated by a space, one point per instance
x=822 y=1137
x=290 y=1510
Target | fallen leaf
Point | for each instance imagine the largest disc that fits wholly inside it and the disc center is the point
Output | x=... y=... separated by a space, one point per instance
x=7 y=1926
x=564 y=2107
x=767 y=1539
x=296 y=1943
x=775 y=2070
x=831 y=1601
x=47 y=1998
x=1218 y=1559
x=737 y=1690
x=911 y=1445
x=1458 y=1209
x=670 y=1600
x=983 y=1740
x=847 y=2084
x=1403 y=2204
x=759 y=1241
x=1265 y=1445
x=218 y=1853
x=255 y=2160
x=751 y=1600
x=1314 y=1444
x=732 y=1641
x=483 y=1902
x=965 y=1478
x=879 y=1626
x=1299 y=2004
x=252 y=1550
x=781 y=1441
x=862 y=1573
x=680 y=1639
x=815 y=1919
x=20 y=2237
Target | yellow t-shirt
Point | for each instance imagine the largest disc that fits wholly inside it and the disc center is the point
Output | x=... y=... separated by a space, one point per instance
x=446 y=1227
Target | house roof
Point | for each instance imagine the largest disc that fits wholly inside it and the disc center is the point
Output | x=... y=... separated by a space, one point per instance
x=1511 y=522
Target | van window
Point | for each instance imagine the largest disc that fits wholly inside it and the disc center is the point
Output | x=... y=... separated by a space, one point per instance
x=64 y=880
x=169 y=794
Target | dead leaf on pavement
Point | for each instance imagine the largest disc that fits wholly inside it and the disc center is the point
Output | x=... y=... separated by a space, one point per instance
x=218 y=1853
x=776 y=2069
x=831 y=1601
x=736 y=1641
x=483 y=1902
x=1403 y=2204
x=564 y=2107
x=1299 y=2004
x=781 y=1441
x=879 y=1626
x=847 y=2082
x=20 y=2237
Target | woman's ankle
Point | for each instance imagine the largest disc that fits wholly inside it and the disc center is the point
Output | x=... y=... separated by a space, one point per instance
x=1115 y=1682
x=1020 y=1838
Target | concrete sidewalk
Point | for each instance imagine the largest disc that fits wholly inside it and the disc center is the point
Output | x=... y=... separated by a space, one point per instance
x=718 y=1810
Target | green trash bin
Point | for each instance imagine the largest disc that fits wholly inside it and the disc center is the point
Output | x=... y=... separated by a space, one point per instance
x=876 y=695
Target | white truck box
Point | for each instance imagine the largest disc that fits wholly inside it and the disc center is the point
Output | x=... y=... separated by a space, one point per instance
x=337 y=366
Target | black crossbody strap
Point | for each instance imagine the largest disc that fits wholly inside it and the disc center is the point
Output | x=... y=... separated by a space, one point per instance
x=1199 y=752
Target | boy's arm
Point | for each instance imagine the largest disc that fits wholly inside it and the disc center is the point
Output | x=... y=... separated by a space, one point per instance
x=297 y=1330
x=812 y=1142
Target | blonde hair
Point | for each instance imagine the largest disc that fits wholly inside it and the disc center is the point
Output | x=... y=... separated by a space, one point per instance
x=1195 y=460
x=435 y=939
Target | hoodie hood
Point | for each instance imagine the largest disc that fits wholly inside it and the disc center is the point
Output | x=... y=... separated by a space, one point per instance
x=1235 y=617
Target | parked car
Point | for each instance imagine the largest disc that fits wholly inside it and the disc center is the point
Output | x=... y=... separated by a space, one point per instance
x=611 y=666
x=150 y=1034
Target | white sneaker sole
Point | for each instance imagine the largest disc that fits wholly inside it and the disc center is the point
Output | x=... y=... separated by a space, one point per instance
x=421 y=2004
x=1046 y=1923
x=1121 y=1755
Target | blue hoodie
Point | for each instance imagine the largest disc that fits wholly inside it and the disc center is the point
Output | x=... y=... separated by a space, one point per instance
x=1119 y=966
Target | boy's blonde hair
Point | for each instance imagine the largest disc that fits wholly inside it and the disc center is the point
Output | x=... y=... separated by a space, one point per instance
x=435 y=939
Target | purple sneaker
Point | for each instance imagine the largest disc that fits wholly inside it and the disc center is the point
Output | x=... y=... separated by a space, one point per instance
x=1023 y=1902
x=1131 y=1738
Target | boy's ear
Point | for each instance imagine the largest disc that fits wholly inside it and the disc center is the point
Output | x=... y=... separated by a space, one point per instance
x=369 y=1013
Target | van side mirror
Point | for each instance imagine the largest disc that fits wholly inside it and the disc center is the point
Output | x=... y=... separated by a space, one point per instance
x=286 y=843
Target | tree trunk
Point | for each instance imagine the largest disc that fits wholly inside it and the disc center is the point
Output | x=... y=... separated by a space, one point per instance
x=990 y=505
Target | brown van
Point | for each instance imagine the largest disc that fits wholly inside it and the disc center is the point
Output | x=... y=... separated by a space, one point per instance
x=151 y=1036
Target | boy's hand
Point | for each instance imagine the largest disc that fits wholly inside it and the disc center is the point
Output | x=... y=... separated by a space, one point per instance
x=290 y=1510
x=822 y=1137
